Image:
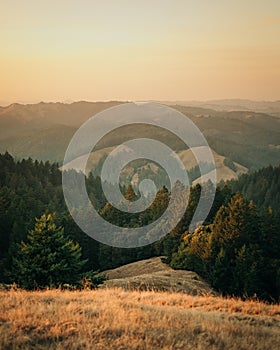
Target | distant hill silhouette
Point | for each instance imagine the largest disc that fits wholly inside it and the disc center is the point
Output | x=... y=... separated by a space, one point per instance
x=43 y=131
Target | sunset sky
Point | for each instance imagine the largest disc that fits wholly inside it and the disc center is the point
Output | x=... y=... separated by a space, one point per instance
x=139 y=50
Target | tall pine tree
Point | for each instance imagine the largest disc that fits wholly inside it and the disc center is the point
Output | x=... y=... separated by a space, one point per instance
x=48 y=258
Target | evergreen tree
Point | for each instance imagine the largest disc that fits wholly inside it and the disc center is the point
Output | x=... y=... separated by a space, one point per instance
x=235 y=225
x=194 y=252
x=222 y=274
x=130 y=195
x=235 y=235
x=169 y=244
x=48 y=258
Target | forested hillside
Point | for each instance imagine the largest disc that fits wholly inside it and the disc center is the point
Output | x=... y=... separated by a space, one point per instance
x=43 y=131
x=237 y=250
x=263 y=187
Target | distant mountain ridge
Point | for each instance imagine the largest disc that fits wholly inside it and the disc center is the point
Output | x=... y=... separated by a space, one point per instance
x=267 y=107
x=43 y=131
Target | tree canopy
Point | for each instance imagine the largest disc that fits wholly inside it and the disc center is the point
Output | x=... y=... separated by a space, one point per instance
x=48 y=257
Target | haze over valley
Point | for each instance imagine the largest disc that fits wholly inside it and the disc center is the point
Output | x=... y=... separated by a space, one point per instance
x=248 y=140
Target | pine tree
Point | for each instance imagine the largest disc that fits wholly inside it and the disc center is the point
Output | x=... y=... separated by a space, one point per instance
x=130 y=195
x=169 y=244
x=235 y=248
x=235 y=225
x=48 y=258
x=194 y=252
x=222 y=273
x=159 y=205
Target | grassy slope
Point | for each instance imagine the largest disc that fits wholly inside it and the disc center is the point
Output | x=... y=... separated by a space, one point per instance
x=118 y=319
x=153 y=274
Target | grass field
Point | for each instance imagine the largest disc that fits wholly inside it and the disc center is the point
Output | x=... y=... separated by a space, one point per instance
x=123 y=320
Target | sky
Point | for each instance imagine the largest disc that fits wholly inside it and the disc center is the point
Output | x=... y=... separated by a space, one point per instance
x=139 y=50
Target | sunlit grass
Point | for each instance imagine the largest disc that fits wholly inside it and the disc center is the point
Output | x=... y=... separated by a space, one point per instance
x=119 y=319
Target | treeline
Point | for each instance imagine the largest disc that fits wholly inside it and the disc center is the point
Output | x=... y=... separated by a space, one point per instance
x=262 y=187
x=238 y=254
x=237 y=249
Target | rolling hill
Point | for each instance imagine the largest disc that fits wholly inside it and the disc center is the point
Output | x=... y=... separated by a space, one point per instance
x=137 y=171
x=153 y=274
x=44 y=130
x=268 y=107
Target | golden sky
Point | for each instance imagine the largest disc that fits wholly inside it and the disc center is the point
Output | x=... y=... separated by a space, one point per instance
x=139 y=50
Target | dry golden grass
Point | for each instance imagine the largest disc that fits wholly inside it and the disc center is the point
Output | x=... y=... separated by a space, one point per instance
x=123 y=320
x=153 y=274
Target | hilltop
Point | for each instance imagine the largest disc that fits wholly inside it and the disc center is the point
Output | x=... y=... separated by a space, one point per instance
x=153 y=274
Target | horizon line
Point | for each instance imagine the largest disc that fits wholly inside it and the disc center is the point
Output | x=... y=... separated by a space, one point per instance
x=69 y=102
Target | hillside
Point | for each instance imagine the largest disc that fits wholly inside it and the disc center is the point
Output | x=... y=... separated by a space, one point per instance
x=118 y=319
x=137 y=172
x=268 y=107
x=246 y=137
x=29 y=189
x=267 y=182
x=153 y=274
x=42 y=131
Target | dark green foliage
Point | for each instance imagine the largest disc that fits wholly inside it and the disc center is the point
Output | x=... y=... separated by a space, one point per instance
x=27 y=190
x=90 y=247
x=48 y=258
x=262 y=186
x=237 y=249
x=238 y=254
x=230 y=164
x=112 y=257
x=94 y=188
x=130 y=195
x=169 y=244
x=194 y=173
x=90 y=280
